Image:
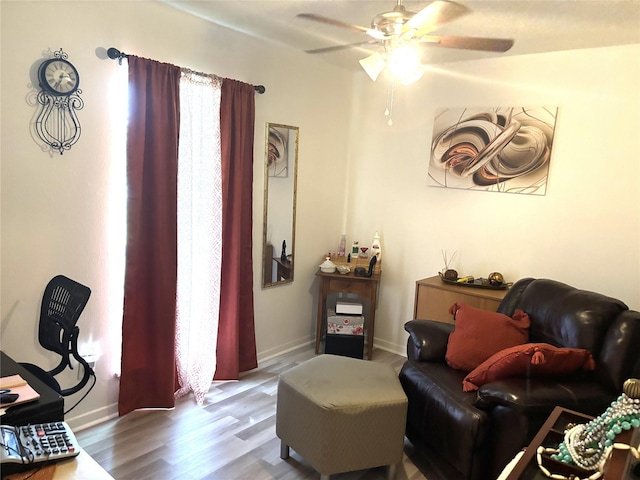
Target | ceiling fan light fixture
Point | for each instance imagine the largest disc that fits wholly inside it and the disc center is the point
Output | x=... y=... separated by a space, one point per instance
x=373 y=65
x=404 y=64
x=376 y=34
x=413 y=77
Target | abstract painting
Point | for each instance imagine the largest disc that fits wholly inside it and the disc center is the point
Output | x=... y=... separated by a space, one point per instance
x=278 y=152
x=493 y=149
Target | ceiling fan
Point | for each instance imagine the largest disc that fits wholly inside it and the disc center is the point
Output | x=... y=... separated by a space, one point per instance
x=400 y=29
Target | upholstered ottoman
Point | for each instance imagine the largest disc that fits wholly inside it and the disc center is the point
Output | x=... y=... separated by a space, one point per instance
x=342 y=414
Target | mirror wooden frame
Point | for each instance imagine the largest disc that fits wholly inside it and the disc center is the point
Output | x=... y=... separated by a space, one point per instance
x=280 y=191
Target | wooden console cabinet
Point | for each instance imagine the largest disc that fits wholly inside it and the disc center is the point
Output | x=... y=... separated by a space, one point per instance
x=434 y=297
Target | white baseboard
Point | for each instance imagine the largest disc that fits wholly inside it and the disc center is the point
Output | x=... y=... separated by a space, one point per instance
x=390 y=347
x=94 y=417
x=282 y=349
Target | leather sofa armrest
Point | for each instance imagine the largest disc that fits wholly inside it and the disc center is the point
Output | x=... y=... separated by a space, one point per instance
x=427 y=340
x=534 y=395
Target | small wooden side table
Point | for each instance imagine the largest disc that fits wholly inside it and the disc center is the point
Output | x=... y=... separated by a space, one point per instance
x=366 y=287
x=551 y=433
x=285 y=269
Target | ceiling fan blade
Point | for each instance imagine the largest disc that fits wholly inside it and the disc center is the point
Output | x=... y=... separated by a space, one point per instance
x=434 y=15
x=336 y=48
x=331 y=21
x=470 y=43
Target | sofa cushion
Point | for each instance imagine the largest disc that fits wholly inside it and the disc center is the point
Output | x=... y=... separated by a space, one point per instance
x=478 y=334
x=532 y=359
x=565 y=316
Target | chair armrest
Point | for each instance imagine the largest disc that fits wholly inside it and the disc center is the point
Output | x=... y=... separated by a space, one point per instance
x=427 y=340
x=534 y=395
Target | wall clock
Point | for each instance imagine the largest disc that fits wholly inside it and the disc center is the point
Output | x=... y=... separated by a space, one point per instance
x=59 y=76
x=59 y=99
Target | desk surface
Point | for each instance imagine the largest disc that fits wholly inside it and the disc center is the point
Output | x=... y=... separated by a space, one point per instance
x=82 y=467
x=48 y=408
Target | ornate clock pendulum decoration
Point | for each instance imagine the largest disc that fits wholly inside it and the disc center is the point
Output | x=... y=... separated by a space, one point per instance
x=57 y=124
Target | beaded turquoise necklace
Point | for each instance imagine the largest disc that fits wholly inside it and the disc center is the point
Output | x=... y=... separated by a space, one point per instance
x=589 y=445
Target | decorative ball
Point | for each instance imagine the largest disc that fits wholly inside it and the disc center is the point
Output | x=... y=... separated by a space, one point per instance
x=450 y=274
x=496 y=279
x=632 y=387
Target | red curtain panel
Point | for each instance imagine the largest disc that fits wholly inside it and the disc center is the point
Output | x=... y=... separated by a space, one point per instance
x=148 y=326
x=236 y=351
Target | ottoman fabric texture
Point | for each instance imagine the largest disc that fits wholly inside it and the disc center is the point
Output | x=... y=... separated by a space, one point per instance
x=342 y=414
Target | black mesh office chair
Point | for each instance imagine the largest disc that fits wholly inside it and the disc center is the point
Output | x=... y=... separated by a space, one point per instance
x=62 y=303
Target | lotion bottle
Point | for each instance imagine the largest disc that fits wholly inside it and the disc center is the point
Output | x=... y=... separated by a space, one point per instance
x=376 y=248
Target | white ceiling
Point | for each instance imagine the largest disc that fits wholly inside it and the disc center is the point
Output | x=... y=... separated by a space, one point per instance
x=537 y=26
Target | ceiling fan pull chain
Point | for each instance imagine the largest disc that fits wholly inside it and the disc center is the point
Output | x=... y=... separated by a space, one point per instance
x=389 y=110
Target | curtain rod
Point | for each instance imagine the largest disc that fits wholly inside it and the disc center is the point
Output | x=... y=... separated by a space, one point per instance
x=115 y=54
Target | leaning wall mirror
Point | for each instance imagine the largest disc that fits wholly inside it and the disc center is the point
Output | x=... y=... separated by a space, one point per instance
x=279 y=228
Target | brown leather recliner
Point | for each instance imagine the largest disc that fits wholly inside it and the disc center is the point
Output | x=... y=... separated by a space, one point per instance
x=473 y=435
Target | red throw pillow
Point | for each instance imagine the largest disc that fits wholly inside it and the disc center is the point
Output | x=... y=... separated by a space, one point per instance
x=532 y=359
x=478 y=334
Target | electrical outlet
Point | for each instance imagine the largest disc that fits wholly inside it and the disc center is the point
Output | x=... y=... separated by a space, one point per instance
x=91 y=359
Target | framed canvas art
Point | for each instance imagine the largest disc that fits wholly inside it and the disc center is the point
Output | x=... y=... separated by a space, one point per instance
x=493 y=149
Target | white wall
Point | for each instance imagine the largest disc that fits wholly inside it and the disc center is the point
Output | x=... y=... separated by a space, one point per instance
x=585 y=231
x=57 y=210
x=356 y=174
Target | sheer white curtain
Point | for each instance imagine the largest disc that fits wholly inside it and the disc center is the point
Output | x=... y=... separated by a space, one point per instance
x=199 y=232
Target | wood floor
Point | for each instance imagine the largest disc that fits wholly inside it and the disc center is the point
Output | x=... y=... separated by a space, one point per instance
x=232 y=436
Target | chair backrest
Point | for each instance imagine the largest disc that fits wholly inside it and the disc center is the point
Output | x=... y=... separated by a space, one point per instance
x=565 y=316
x=62 y=303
